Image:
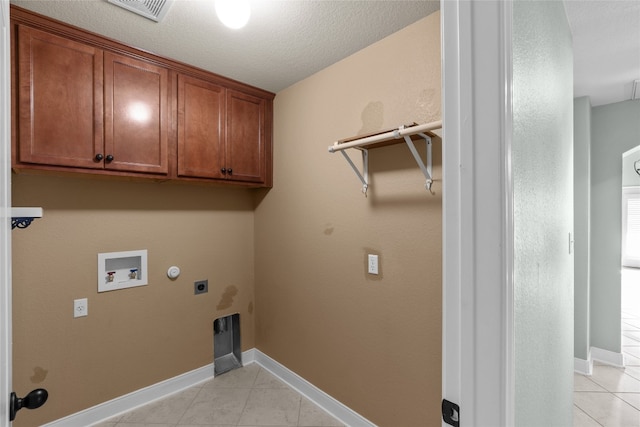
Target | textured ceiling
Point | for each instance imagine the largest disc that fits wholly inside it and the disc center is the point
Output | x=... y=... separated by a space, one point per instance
x=606 y=48
x=284 y=42
x=288 y=40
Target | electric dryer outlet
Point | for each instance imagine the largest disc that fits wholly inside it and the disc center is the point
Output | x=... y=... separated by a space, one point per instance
x=201 y=287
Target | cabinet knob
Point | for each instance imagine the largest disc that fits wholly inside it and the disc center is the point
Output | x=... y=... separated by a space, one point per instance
x=229 y=171
x=99 y=157
x=109 y=158
x=224 y=171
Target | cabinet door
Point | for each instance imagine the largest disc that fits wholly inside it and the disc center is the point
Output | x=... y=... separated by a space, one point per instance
x=136 y=115
x=59 y=100
x=245 y=137
x=201 y=112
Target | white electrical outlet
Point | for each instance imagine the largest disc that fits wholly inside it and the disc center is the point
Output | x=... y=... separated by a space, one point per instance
x=80 y=307
x=373 y=264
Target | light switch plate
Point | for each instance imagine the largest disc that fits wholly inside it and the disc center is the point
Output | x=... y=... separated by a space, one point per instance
x=373 y=264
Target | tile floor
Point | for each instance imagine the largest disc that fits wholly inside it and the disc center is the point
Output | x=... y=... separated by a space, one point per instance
x=611 y=396
x=248 y=396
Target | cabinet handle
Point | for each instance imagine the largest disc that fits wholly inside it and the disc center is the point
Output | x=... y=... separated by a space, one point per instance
x=229 y=171
x=224 y=171
x=109 y=158
x=99 y=157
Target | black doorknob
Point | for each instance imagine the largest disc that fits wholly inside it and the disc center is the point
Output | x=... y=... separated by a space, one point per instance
x=99 y=157
x=33 y=400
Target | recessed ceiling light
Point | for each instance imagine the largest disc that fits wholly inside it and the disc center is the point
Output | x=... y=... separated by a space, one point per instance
x=233 y=13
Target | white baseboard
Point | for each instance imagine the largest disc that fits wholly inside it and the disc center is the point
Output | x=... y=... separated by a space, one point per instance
x=584 y=367
x=607 y=357
x=136 y=399
x=336 y=409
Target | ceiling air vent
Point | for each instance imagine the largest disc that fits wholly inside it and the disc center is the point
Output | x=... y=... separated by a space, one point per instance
x=152 y=9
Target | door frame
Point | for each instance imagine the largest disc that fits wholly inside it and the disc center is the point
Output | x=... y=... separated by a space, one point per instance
x=5 y=213
x=478 y=236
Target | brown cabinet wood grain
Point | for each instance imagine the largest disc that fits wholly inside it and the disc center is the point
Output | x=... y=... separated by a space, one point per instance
x=87 y=104
x=201 y=128
x=245 y=160
x=136 y=115
x=60 y=100
x=221 y=132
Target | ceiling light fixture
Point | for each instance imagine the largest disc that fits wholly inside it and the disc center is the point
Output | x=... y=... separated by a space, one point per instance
x=233 y=13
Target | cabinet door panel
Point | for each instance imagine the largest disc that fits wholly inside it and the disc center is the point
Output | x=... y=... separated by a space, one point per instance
x=136 y=115
x=60 y=100
x=245 y=137
x=201 y=112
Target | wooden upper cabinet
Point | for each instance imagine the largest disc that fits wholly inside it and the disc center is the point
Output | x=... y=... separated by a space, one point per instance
x=245 y=160
x=85 y=103
x=201 y=124
x=221 y=132
x=136 y=115
x=59 y=100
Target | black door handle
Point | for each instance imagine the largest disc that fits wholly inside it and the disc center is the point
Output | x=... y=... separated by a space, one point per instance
x=33 y=400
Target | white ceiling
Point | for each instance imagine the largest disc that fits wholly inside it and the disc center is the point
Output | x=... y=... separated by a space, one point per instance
x=606 y=48
x=289 y=40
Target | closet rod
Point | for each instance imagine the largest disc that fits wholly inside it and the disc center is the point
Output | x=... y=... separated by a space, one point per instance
x=394 y=134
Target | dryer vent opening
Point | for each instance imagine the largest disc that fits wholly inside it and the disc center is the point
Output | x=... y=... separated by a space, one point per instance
x=227 y=353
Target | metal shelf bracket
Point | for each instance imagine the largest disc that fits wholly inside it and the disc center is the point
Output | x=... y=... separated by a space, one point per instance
x=427 y=170
x=23 y=217
x=364 y=176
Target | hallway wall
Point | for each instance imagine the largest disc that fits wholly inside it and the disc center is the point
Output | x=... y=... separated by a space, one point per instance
x=616 y=129
x=581 y=215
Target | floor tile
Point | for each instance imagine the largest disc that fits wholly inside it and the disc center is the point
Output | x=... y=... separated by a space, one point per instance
x=584 y=383
x=630 y=360
x=216 y=406
x=267 y=380
x=312 y=416
x=630 y=341
x=634 y=351
x=607 y=409
x=632 y=399
x=615 y=379
x=633 y=371
x=268 y=407
x=168 y=410
x=632 y=334
x=581 y=419
x=244 y=377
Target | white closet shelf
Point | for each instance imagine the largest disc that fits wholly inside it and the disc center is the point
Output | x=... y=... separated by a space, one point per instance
x=402 y=134
x=22 y=217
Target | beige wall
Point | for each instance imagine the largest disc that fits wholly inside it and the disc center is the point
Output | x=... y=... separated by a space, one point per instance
x=135 y=337
x=373 y=343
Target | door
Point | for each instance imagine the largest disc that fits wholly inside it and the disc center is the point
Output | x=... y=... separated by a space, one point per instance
x=60 y=100
x=245 y=137
x=136 y=115
x=5 y=212
x=201 y=121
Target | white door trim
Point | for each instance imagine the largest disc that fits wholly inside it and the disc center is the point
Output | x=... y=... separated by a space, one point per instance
x=5 y=213
x=477 y=368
